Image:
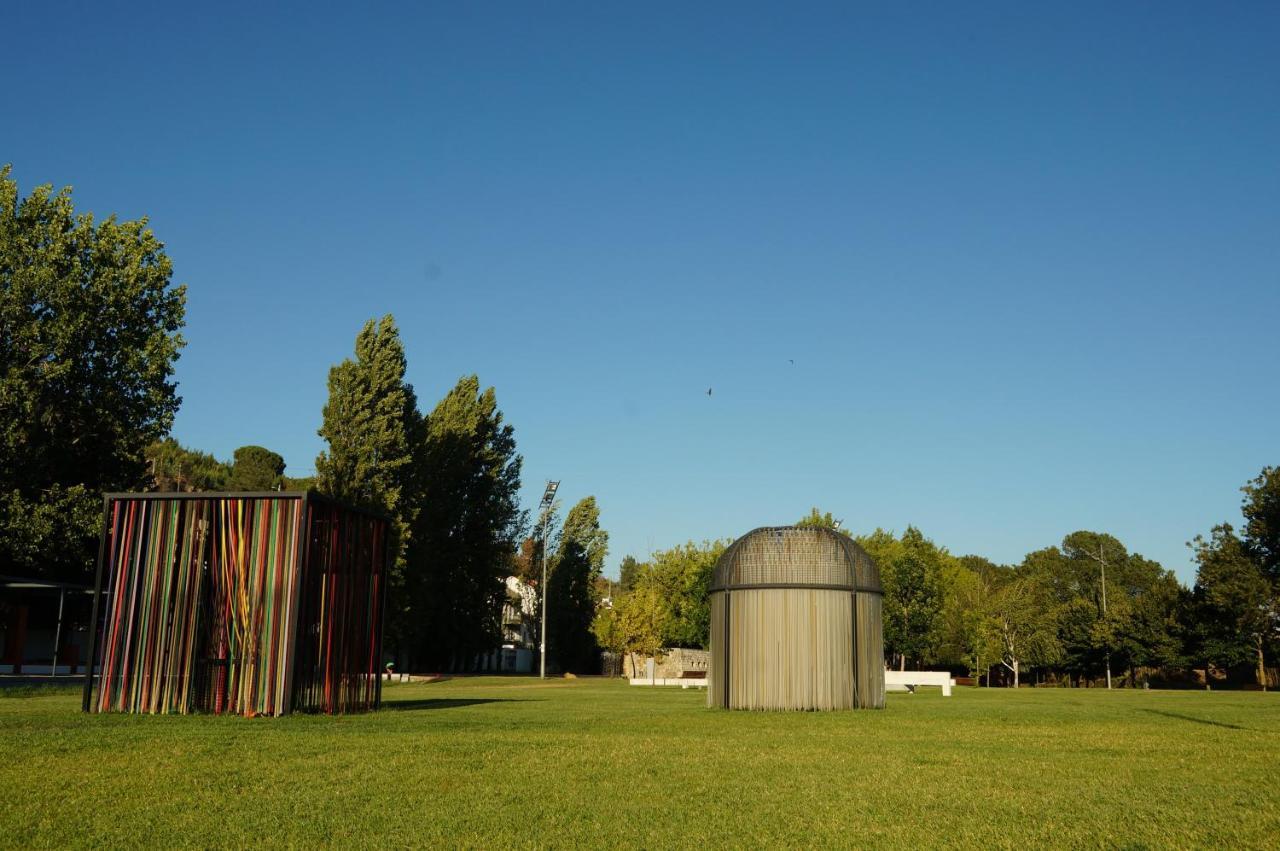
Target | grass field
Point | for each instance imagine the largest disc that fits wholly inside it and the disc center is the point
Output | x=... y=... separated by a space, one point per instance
x=518 y=762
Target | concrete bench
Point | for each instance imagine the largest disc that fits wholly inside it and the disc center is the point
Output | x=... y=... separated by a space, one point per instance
x=909 y=680
x=683 y=682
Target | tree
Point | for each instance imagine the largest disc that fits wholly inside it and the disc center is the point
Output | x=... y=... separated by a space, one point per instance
x=910 y=570
x=89 y=337
x=628 y=573
x=174 y=467
x=684 y=576
x=582 y=525
x=371 y=419
x=1018 y=627
x=639 y=621
x=607 y=629
x=817 y=520
x=527 y=561
x=967 y=584
x=1261 y=511
x=256 y=469
x=370 y=423
x=571 y=588
x=1129 y=619
x=673 y=591
x=467 y=526
x=1238 y=611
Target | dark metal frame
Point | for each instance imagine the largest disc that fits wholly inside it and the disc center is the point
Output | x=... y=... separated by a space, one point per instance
x=305 y=496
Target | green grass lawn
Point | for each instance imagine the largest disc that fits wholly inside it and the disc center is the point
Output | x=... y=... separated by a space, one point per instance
x=518 y=762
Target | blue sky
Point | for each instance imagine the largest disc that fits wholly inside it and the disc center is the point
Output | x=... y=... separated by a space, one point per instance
x=1026 y=261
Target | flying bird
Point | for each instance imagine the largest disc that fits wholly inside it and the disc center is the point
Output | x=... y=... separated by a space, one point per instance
x=708 y=391
x=792 y=361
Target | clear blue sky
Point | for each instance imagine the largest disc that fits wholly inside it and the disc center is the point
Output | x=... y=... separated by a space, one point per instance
x=1026 y=261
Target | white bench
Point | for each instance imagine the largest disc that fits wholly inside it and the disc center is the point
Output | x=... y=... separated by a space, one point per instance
x=683 y=682
x=908 y=680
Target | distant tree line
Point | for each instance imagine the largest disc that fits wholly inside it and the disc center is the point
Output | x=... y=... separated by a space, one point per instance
x=1052 y=614
x=173 y=467
x=90 y=332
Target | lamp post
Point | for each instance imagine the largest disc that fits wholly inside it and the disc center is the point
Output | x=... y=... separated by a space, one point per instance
x=1101 y=559
x=548 y=496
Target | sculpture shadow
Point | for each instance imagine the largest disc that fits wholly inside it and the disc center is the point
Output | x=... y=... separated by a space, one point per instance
x=440 y=703
x=1181 y=717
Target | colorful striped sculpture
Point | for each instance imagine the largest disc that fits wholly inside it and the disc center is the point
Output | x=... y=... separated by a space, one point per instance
x=247 y=604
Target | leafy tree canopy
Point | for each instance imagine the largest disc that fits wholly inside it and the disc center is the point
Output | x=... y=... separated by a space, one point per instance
x=256 y=469
x=175 y=467
x=571 y=588
x=628 y=573
x=816 y=519
x=1262 y=521
x=468 y=522
x=90 y=335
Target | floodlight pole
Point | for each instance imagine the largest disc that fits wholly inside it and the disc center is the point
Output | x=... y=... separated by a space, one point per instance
x=548 y=496
x=1102 y=560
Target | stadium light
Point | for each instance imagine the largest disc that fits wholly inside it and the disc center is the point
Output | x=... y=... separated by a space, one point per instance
x=548 y=497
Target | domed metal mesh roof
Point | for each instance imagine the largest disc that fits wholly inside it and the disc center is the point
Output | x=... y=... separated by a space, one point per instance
x=780 y=556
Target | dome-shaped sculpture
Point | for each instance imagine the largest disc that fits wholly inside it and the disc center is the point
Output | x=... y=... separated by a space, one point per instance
x=796 y=623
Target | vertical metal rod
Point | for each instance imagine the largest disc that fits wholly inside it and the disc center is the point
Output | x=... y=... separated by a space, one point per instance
x=97 y=596
x=728 y=648
x=387 y=567
x=857 y=642
x=57 y=632
x=1102 y=559
x=542 y=632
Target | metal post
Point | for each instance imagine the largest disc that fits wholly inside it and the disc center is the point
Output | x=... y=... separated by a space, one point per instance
x=97 y=596
x=548 y=499
x=57 y=633
x=1102 y=559
x=542 y=631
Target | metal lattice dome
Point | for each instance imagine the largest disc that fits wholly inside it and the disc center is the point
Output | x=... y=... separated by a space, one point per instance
x=796 y=623
x=781 y=556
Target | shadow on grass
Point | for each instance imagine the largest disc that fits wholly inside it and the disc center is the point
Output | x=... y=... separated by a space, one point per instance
x=1182 y=717
x=441 y=703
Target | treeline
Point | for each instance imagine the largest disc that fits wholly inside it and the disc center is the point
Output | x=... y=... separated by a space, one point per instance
x=173 y=467
x=1087 y=610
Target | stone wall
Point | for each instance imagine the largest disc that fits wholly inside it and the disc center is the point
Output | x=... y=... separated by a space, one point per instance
x=673 y=663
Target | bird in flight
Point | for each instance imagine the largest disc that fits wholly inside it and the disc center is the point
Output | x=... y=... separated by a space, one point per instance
x=708 y=391
x=792 y=361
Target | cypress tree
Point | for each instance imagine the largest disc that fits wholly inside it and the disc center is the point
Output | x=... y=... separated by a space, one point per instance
x=571 y=589
x=467 y=528
x=371 y=421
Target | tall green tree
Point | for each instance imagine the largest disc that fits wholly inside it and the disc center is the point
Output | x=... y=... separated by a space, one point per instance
x=1261 y=511
x=1237 y=607
x=174 y=467
x=256 y=468
x=89 y=328
x=968 y=583
x=371 y=424
x=911 y=572
x=571 y=589
x=628 y=573
x=684 y=576
x=466 y=529
x=1130 y=619
x=1018 y=626
x=635 y=623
